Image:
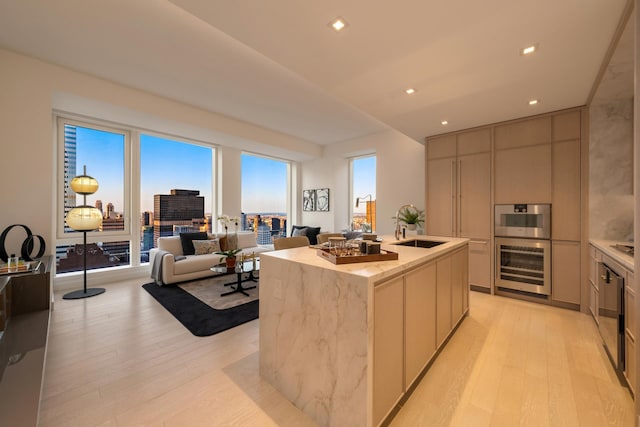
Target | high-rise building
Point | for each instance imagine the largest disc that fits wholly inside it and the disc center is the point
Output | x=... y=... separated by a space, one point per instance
x=243 y=221
x=99 y=206
x=113 y=223
x=181 y=207
x=264 y=234
x=147 y=218
x=110 y=211
x=147 y=238
x=69 y=169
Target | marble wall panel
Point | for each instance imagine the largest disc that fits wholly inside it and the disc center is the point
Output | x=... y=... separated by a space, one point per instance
x=611 y=196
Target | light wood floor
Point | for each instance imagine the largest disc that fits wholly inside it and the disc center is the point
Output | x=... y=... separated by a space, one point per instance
x=120 y=359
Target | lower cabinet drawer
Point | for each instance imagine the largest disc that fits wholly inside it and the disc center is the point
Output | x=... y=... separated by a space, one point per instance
x=630 y=362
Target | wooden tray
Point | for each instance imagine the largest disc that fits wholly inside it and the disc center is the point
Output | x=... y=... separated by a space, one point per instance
x=384 y=255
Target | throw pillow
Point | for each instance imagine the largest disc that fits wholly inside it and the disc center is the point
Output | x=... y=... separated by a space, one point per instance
x=312 y=233
x=203 y=247
x=299 y=232
x=187 y=241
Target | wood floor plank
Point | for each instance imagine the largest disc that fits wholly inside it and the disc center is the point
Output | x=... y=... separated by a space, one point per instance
x=120 y=359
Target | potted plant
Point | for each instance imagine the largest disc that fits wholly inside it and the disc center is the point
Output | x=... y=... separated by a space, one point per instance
x=229 y=257
x=412 y=217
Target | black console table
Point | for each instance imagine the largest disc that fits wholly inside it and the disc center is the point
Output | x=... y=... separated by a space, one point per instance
x=25 y=301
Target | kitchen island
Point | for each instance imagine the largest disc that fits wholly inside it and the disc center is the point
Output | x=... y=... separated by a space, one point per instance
x=345 y=343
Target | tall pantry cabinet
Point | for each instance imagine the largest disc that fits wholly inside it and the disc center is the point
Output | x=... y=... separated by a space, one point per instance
x=531 y=160
x=459 y=196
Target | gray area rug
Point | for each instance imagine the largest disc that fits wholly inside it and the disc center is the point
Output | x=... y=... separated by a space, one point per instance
x=208 y=291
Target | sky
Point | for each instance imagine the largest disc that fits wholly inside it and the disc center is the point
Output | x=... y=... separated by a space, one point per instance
x=364 y=181
x=169 y=164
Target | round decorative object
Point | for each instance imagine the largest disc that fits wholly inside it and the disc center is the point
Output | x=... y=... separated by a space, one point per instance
x=84 y=218
x=27 y=244
x=27 y=247
x=84 y=184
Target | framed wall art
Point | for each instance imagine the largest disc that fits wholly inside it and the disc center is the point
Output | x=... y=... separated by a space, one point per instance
x=322 y=200
x=309 y=200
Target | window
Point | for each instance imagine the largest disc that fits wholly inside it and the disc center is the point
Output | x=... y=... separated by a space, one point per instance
x=264 y=197
x=363 y=191
x=180 y=201
x=172 y=185
x=101 y=151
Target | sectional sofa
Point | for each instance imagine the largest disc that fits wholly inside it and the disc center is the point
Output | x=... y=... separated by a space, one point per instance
x=177 y=267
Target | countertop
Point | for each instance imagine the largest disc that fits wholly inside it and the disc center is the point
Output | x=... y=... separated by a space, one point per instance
x=408 y=257
x=606 y=246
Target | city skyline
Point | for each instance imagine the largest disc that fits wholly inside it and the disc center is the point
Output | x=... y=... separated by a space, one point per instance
x=263 y=180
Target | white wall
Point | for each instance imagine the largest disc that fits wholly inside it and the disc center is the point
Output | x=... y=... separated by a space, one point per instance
x=30 y=91
x=399 y=179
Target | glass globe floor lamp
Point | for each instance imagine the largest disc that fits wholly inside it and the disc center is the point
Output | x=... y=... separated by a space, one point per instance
x=84 y=218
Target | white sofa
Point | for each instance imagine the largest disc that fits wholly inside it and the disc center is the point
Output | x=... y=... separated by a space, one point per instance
x=196 y=266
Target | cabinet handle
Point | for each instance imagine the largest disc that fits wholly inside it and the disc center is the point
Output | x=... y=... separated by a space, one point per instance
x=453 y=195
x=460 y=196
x=479 y=242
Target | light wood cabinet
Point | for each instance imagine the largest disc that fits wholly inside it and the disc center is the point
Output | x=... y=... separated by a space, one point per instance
x=566 y=126
x=594 y=301
x=474 y=195
x=523 y=175
x=420 y=320
x=523 y=133
x=480 y=263
x=412 y=318
x=630 y=331
x=388 y=379
x=566 y=222
x=459 y=286
x=440 y=210
x=442 y=146
x=630 y=306
x=443 y=300
x=459 y=195
x=630 y=362
x=565 y=271
x=532 y=160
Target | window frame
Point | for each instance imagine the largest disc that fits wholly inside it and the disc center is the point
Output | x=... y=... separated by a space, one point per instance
x=131 y=209
x=352 y=195
x=291 y=171
x=64 y=237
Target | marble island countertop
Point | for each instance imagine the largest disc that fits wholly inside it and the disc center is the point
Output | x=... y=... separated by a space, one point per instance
x=408 y=257
x=606 y=246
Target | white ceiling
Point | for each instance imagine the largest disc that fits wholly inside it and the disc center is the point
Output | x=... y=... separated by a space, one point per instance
x=278 y=65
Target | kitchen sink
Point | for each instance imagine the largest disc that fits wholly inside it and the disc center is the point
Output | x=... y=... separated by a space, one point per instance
x=420 y=243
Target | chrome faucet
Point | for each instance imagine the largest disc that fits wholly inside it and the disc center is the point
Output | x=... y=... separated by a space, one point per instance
x=397 y=233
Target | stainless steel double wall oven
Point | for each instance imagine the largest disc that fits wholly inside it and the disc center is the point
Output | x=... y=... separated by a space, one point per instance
x=523 y=247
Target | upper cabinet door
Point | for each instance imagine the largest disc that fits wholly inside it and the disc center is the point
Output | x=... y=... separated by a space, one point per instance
x=565 y=210
x=523 y=175
x=474 y=198
x=439 y=215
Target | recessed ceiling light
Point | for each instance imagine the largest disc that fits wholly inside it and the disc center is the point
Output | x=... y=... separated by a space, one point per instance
x=338 y=24
x=529 y=49
x=444 y=123
x=533 y=102
x=410 y=91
